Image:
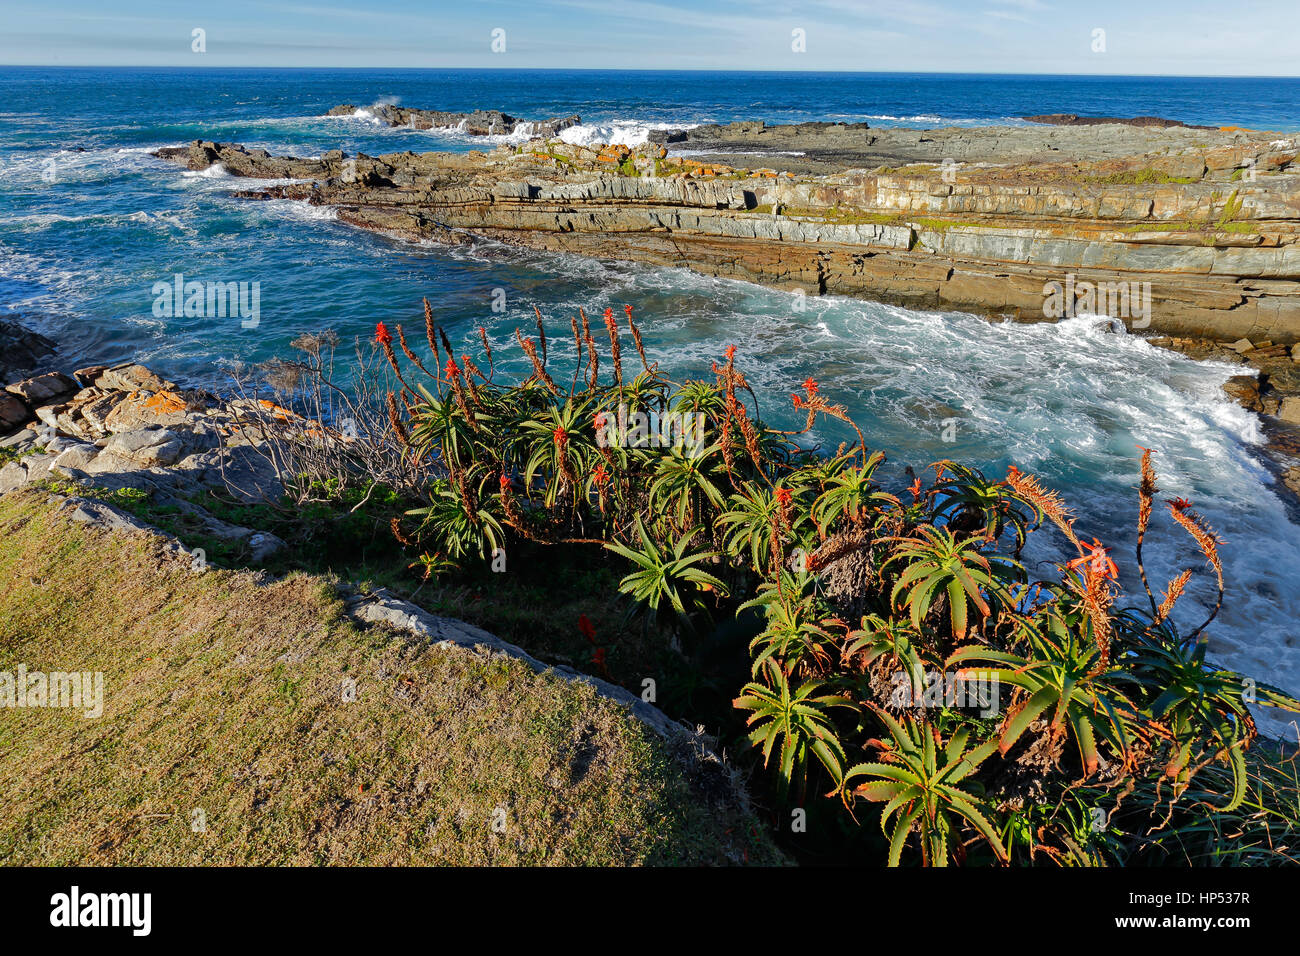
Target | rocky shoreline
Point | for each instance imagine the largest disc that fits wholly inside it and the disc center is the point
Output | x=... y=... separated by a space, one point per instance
x=1204 y=225
x=125 y=427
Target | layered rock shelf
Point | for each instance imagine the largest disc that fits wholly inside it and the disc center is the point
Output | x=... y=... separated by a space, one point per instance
x=1203 y=225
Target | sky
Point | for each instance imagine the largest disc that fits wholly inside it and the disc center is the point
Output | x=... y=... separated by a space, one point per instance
x=1154 y=37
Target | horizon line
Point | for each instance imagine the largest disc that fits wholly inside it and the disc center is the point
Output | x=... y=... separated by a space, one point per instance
x=588 y=69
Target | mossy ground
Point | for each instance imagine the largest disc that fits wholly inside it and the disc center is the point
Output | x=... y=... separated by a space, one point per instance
x=227 y=695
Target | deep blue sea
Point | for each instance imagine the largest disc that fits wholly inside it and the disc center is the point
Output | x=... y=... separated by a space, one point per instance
x=89 y=222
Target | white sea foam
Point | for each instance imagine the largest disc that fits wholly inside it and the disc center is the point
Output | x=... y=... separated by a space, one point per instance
x=215 y=171
x=38 y=221
x=299 y=209
x=622 y=132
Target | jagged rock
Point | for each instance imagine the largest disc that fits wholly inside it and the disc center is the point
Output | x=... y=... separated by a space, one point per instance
x=19 y=440
x=1072 y=119
x=262 y=545
x=148 y=447
x=43 y=389
x=1245 y=390
x=60 y=443
x=26 y=469
x=73 y=461
x=140 y=409
x=100 y=514
x=1295 y=353
x=13 y=412
x=1241 y=346
x=477 y=123
x=12 y=476
x=239 y=161
x=95 y=411
x=86 y=376
x=22 y=351
x=1281 y=376
x=129 y=377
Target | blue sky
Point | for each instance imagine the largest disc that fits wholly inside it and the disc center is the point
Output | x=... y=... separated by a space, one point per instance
x=1197 y=37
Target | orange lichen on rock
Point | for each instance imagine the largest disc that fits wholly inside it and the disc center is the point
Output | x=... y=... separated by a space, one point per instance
x=165 y=403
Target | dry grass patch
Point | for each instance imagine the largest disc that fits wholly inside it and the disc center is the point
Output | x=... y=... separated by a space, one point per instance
x=227 y=695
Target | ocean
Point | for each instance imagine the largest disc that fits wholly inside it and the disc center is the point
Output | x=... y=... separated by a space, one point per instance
x=89 y=222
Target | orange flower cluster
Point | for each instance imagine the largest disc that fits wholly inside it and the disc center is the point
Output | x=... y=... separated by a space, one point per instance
x=1096 y=561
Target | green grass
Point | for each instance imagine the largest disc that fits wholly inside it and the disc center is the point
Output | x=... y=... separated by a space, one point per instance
x=1231 y=210
x=10 y=454
x=225 y=695
x=1139 y=177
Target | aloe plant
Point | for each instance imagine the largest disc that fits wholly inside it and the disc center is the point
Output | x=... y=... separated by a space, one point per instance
x=936 y=562
x=917 y=778
x=798 y=719
x=666 y=575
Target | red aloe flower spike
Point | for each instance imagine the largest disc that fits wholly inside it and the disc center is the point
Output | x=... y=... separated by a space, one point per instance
x=587 y=628
x=1180 y=504
x=784 y=496
x=1096 y=561
x=561 y=436
x=382 y=335
x=810 y=386
x=600 y=475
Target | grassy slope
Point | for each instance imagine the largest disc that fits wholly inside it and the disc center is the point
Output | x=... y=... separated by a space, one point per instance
x=225 y=695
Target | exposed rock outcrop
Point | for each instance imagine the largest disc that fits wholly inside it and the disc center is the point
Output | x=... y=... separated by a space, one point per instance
x=125 y=427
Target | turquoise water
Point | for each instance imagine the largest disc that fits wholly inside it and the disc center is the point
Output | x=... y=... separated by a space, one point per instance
x=84 y=235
